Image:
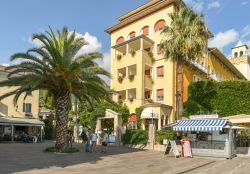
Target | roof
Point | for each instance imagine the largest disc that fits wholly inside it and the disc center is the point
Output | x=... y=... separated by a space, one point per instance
x=140 y=12
x=242 y=118
x=240 y=44
x=223 y=59
x=201 y=125
x=20 y=121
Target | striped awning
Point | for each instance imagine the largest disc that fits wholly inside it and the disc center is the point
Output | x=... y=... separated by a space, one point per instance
x=200 y=125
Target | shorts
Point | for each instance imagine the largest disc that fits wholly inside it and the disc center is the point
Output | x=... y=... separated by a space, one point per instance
x=104 y=143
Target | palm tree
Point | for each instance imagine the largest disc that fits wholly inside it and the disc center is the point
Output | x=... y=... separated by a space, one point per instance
x=58 y=67
x=185 y=39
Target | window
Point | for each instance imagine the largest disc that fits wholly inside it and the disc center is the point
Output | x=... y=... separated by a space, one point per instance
x=27 y=107
x=194 y=78
x=132 y=34
x=145 y=30
x=235 y=54
x=147 y=94
x=159 y=49
x=120 y=40
x=241 y=53
x=159 y=25
x=160 y=94
x=160 y=71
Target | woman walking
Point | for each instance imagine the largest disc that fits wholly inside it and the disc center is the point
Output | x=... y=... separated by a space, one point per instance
x=187 y=151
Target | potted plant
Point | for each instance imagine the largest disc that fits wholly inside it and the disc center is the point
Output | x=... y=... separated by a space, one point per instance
x=133 y=52
x=131 y=98
x=120 y=79
x=149 y=100
x=131 y=77
x=119 y=57
x=150 y=54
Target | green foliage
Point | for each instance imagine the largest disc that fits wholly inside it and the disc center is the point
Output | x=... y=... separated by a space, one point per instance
x=65 y=150
x=89 y=115
x=135 y=137
x=138 y=112
x=227 y=97
x=164 y=134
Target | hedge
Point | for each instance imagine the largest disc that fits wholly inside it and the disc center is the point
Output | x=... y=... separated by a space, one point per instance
x=164 y=134
x=227 y=98
x=135 y=137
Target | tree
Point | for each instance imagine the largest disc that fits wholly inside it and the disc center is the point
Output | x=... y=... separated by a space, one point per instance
x=185 y=39
x=58 y=67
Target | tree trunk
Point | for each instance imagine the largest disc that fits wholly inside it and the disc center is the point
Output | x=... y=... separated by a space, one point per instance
x=180 y=81
x=62 y=110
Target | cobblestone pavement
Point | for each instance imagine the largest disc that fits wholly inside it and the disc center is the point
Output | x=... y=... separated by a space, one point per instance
x=29 y=158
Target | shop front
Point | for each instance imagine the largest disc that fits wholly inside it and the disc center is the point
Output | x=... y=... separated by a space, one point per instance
x=210 y=137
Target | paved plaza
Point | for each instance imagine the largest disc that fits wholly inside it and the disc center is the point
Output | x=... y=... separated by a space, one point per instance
x=29 y=158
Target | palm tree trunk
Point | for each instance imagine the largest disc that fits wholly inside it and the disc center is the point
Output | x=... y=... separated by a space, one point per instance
x=62 y=110
x=180 y=81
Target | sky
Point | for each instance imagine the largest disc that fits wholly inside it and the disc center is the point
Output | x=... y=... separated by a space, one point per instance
x=228 y=20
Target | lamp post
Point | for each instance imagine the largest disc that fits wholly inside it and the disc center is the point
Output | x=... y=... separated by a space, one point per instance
x=152 y=132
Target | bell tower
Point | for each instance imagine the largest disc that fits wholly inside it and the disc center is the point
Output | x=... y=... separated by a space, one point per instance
x=240 y=59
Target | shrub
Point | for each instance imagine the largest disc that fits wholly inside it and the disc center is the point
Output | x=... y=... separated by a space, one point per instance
x=119 y=57
x=149 y=100
x=131 y=77
x=65 y=150
x=120 y=79
x=135 y=137
x=138 y=112
x=133 y=52
x=164 y=134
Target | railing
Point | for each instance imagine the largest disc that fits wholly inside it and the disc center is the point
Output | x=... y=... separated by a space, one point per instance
x=199 y=66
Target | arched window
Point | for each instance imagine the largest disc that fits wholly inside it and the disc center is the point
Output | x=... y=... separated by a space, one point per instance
x=132 y=34
x=145 y=30
x=159 y=25
x=241 y=53
x=235 y=54
x=120 y=40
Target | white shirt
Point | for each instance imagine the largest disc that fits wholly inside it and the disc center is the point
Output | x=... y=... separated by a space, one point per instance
x=94 y=137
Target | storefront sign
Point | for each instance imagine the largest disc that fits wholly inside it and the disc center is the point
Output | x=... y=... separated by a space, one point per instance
x=196 y=117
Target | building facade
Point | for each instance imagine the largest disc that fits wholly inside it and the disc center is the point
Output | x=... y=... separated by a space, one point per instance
x=140 y=74
x=22 y=118
x=241 y=60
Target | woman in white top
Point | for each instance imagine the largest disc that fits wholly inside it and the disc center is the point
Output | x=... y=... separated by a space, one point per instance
x=93 y=140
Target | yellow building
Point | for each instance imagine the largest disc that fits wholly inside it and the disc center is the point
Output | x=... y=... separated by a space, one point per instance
x=19 y=119
x=140 y=74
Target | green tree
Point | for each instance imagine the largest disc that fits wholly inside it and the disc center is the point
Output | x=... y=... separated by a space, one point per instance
x=185 y=39
x=58 y=67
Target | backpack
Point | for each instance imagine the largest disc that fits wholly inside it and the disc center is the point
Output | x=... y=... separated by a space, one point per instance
x=84 y=136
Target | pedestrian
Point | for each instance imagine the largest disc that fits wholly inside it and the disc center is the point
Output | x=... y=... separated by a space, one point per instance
x=69 y=139
x=93 y=141
x=87 y=147
x=187 y=151
x=84 y=139
x=105 y=143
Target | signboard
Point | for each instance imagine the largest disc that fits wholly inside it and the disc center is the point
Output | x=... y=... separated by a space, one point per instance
x=171 y=147
x=196 y=117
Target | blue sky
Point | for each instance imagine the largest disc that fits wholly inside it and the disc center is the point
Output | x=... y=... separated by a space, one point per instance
x=227 y=19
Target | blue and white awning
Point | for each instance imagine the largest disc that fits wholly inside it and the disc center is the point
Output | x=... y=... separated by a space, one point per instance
x=200 y=125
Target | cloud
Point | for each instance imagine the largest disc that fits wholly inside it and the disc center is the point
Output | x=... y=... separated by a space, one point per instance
x=244 y=3
x=214 y=4
x=197 y=5
x=34 y=42
x=223 y=39
x=245 y=31
x=93 y=43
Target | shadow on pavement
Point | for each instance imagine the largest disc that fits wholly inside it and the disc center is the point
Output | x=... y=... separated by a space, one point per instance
x=19 y=157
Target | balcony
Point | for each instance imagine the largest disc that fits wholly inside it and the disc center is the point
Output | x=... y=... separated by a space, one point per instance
x=140 y=46
x=199 y=66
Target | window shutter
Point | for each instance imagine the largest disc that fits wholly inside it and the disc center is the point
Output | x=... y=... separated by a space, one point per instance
x=160 y=93
x=160 y=71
